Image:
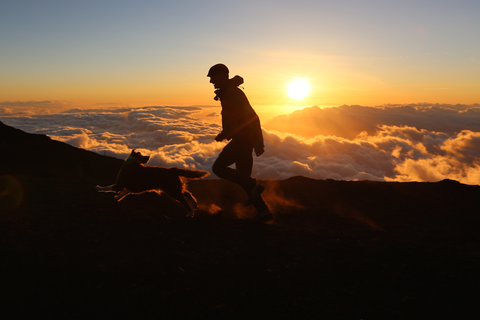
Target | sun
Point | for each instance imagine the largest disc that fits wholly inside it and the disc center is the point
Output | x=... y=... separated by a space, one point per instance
x=298 y=89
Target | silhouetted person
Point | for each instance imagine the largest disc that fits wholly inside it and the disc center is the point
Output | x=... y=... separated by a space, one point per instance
x=240 y=125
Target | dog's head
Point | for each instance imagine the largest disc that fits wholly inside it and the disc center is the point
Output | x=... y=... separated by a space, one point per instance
x=138 y=157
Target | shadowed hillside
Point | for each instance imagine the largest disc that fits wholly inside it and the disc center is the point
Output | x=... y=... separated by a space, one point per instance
x=337 y=249
x=37 y=155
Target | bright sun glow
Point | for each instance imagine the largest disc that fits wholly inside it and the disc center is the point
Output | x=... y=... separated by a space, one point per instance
x=298 y=89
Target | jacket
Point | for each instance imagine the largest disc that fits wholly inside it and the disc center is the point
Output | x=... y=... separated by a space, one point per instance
x=239 y=120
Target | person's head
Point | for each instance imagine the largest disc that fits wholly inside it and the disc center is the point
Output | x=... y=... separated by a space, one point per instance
x=218 y=75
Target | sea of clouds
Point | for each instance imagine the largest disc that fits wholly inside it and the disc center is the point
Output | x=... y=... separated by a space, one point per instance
x=416 y=142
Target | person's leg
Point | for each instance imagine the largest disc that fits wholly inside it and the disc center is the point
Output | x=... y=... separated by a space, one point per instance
x=244 y=166
x=260 y=204
x=241 y=155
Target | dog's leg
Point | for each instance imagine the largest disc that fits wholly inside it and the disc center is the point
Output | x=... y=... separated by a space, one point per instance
x=105 y=189
x=188 y=195
x=181 y=198
x=122 y=194
x=185 y=203
x=190 y=210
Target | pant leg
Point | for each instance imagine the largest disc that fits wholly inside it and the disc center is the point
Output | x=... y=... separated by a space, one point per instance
x=245 y=165
x=240 y=154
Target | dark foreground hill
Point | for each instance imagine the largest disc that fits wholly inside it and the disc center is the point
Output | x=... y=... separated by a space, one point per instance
x=337 y=249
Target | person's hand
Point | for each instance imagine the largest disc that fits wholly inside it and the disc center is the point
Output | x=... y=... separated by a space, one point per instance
x=259 y=151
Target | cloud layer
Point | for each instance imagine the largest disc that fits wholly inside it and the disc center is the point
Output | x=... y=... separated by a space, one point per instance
x=349 y=121
x=33 y=107
x=392 y=143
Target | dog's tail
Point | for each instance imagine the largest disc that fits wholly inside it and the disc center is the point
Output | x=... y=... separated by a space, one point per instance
x=191 y=173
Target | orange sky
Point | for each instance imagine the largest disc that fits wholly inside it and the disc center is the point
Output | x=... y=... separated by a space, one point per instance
x=129 y=54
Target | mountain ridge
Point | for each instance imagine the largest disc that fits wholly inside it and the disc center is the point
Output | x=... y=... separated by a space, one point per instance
x=336 y=249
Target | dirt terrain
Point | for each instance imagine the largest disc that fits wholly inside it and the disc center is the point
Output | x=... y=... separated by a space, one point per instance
x=336 y=249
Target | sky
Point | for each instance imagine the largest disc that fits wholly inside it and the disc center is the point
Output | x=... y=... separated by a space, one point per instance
x=394 y=85
x=140 y=53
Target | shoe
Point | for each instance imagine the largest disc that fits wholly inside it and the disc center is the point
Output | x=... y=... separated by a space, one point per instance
x=255 y=194
x=262 y=217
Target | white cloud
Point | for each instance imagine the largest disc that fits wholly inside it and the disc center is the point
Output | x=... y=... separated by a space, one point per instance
x=349 y=121
x=387 y=144
x=33 y=107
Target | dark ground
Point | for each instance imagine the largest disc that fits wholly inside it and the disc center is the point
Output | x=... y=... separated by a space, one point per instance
x=337 y=249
